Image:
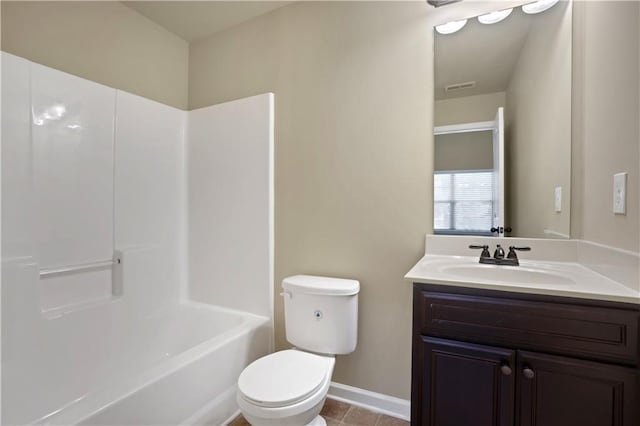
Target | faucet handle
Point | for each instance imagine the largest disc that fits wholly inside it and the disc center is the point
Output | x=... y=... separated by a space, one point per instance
x=484 y=248
x=513 y=249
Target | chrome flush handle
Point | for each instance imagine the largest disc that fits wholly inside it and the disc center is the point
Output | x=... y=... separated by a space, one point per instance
x=287 y=294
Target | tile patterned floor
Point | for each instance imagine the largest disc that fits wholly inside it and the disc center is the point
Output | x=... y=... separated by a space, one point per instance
x=338 y=413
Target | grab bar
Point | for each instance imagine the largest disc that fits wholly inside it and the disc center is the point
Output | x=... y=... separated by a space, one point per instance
x=93 y=266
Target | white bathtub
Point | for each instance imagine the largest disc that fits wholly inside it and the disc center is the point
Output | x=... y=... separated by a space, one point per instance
x=177 y=366
x=187 y=374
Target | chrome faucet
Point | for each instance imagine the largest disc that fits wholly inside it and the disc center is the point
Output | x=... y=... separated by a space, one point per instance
x=498 y=256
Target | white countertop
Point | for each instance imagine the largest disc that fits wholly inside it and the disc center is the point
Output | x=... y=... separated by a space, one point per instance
x=573 y=279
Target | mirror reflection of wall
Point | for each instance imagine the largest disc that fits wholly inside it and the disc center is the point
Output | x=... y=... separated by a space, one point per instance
x=522 y=64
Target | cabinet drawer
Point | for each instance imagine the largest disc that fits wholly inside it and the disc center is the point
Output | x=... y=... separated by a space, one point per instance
x=599 y=333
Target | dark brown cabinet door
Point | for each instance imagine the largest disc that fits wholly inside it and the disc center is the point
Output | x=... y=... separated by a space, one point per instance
x=462 y=384
x=559 y=391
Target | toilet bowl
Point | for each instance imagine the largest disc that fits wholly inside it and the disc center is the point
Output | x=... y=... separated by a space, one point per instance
x=285 y=388
x=289 y=387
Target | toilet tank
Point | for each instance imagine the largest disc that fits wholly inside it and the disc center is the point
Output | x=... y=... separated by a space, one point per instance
x=321 y=313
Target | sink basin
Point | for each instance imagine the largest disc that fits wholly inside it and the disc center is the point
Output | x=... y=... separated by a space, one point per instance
x=511 y=274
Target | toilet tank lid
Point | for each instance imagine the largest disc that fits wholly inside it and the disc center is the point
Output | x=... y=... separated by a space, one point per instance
x=327 y=286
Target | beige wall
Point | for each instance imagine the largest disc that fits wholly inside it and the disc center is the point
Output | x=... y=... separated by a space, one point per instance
x=538 y=127
x=468 y=109
x=606 y=134
x=463 y=151
x=102 y=41
x=353 y=94
x=353 y=84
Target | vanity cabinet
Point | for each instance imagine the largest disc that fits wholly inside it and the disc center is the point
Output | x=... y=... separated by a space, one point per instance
x=483 y=357
x=457 y=374
x=560 y=391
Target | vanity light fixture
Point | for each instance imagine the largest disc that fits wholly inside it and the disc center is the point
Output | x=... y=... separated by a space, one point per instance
x=494 y=17
x=451 y=27
x=538 y=6
x=438 y=3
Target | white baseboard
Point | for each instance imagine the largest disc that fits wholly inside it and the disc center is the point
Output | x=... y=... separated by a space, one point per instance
x=378 y=402
x=373 y=401
x=231 y=418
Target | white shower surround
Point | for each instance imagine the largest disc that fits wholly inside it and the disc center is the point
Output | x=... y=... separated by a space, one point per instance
x=231 y=185
x=124 y=344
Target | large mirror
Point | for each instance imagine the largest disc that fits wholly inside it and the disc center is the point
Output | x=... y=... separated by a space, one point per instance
x=502 y=117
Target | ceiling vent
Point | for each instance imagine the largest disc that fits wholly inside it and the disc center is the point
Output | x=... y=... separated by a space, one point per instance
x=460 y=86
x=438 y=3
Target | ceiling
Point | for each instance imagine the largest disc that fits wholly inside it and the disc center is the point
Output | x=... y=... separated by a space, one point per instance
x=194 y=20
x=482 y=53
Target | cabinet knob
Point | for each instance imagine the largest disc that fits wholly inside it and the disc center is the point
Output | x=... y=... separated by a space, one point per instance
x=505 y=369
x=528 y=373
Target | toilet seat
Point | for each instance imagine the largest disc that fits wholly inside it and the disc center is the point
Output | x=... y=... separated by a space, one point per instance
x=284 y=378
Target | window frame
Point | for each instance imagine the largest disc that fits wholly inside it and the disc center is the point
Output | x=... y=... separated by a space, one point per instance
x=451 y=230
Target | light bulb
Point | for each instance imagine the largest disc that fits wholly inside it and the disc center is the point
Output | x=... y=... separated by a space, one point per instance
x=538 y=6
x=451 y=27
x=494 y=17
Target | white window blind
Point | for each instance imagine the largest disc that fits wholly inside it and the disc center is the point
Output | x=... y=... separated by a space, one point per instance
x=463 y=201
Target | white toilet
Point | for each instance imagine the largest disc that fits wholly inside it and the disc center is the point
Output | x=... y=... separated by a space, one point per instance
x=289 y=387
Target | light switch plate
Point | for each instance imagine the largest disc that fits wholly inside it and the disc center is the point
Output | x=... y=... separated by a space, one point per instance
x=558 y=199
x=620 y=193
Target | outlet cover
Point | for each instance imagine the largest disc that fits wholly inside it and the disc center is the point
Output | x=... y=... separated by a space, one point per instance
x=620 y=193
x=558 y=199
